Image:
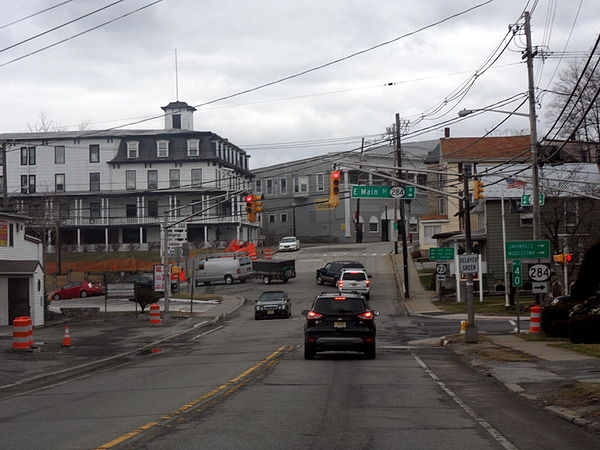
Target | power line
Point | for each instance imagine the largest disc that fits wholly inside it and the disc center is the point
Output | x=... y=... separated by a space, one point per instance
x=34 y=14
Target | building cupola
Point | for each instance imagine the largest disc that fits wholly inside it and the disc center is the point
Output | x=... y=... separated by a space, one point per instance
x=179 y=115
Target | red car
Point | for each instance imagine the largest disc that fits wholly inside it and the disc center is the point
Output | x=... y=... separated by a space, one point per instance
x=77 y=289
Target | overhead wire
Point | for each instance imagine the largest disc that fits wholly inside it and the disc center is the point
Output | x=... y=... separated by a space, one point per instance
x=14 y=22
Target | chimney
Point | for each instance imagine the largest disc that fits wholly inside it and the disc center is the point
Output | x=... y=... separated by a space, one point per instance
x=447 y=132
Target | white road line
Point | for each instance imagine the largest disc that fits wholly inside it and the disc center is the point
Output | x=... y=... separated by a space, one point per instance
x=206 y=332
x=499 y=437
x=200 y=324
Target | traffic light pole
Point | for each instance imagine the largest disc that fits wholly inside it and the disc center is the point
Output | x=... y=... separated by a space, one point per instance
x=471 y=332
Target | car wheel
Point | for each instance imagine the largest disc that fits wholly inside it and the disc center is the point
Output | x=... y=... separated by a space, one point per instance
x=309 y=352
x=84 y=294
x=228 y=279
x=284 y=279
x=206 y=283
x=289 y=314
x=56 y=297
x=266 y=280
x=371 y=352
x=319 y=280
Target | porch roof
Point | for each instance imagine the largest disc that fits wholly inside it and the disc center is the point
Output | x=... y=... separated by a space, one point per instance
x=22 y=267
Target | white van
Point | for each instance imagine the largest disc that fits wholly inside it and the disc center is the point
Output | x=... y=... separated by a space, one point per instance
x=227 y=269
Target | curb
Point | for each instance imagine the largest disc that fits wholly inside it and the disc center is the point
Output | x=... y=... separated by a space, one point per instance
x=92 y=364
x=400 y=286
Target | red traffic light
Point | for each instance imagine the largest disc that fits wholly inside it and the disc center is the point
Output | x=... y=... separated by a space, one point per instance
x=335 y=174
x=248 y=198
x=568 y=257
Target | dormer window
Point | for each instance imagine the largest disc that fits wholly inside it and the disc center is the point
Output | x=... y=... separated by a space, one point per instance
x=133 y=149
x=193 y=147
x=162 y=149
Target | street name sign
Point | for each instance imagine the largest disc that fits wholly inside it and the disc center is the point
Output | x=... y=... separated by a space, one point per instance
x=370 y=192
x=441 y=254
x=526 y=199
x=406 y=192
x=527 y=249
x=517 y=273
x=539 y=272
x=468 y=263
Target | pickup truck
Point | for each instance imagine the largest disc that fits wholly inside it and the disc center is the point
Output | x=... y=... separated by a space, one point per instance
x=330 y=273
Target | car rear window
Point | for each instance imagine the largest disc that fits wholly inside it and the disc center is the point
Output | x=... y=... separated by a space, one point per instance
x=331 y=306
x=354 y=276
x=353 y=264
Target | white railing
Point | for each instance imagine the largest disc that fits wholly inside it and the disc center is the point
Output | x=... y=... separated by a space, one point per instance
x=86 y=221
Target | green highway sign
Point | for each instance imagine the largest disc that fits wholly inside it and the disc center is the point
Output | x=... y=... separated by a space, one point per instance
x=517 y=273
x=526 y=199
x=527 y=249
x=403 y=192
x=441 y=254
x=370 y=192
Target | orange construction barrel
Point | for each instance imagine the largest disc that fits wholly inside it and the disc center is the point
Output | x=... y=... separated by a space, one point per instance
x=155 y=313
x=22 y=334
x=535 y=319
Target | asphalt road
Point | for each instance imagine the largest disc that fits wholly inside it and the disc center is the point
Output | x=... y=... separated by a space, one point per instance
x=245 y=384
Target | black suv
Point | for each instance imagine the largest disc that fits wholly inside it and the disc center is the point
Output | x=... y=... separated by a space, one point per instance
x=339 y=322
x=332 y=270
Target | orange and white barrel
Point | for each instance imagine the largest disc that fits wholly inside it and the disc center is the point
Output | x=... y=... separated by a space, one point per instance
x=155 y=313
x=22 y=335
x=535 y=319
x=268 y=253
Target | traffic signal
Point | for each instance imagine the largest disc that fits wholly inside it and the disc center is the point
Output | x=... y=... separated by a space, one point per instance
x=563 y=258
x=250 y=215
x=257 y=204
x=478 y=190
x=334 y=188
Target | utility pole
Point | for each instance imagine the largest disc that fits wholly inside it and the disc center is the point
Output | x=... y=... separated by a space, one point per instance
x=402 y=224
x=165 y=264
x=357 y=228
x=4 y=180
x=535 y=201
x=471 y=332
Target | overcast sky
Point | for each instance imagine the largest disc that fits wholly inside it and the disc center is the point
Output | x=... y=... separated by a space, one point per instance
x=125 y=71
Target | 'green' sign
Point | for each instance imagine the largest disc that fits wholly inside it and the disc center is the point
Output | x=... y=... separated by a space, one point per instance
x=441 y=254
x=527 y=249
x=517 y=273
x=526 y=199
x=370 y=192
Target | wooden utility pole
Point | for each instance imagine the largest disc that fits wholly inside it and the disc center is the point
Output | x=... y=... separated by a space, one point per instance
x=471 y=332
x=402 y=222
x=4 y=180
x=357 y=228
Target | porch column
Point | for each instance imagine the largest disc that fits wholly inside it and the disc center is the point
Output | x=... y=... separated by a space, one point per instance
x=141 y=235
x=78 y=237
x=106 y=238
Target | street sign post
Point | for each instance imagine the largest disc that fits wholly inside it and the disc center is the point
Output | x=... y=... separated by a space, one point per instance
x=517 y=273
x=527 y=249
x=441 y=254
x=468 y=263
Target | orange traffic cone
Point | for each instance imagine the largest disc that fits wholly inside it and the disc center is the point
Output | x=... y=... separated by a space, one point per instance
x=67 y=337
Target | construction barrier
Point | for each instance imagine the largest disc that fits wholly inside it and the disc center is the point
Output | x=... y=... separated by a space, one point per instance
x=268 y=253
x=67 y=337
x=154 y=313
x=22 y=333
x=535 y=320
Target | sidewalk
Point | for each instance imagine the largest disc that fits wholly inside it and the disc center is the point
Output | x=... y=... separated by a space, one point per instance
x=97 y=341
x=420 y=300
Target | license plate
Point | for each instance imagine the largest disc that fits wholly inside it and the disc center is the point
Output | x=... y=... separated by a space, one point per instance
x=270 y=312
x=339 y=324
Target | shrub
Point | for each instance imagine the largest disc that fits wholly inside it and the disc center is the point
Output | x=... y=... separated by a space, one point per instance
x=555 y=319
x=584 y=329
x=145 y=295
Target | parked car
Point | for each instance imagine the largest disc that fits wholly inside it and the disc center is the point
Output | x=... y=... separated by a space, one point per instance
x=337 y=322
x=273 y=304
x=289 y=243
x=330 y=273
x=560 y=299
x=142 y=279
x=228 y=269
x=77 y=289
x=354 y=280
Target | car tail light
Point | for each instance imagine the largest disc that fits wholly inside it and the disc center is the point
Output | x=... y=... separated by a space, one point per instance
x=90 y=285
x=367 y=282
x=340 y=284
x=314 y=315
x=339 y=298
x=367 y=315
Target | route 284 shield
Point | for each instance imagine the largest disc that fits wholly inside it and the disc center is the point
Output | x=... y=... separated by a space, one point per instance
x=539 y=272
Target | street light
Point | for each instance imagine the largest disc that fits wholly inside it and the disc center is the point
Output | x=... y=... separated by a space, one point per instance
x=466 y=112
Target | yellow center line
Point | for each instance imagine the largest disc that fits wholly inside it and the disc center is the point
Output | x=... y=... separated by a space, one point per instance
x=266 y=362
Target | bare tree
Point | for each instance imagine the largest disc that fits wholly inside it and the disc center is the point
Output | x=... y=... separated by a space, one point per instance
x=584 y=93
x=44 y=125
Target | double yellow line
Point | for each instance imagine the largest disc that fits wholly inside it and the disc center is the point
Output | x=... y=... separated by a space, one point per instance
x=221 y=392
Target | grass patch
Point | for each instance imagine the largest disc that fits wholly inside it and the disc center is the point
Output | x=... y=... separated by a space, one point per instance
x=586 y=349
x=490 y=305
x=426 y=280
x=578 y=395
x=497 y=353
x=539 y=337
